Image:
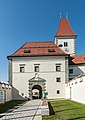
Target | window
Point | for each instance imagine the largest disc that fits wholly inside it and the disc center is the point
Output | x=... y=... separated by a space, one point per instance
x=71 y=71
x=58 y=68
x=60 y=45
x=75 y=82
x=65 y=44
x=22 y=94
x=36 y=68
x=27 y=51
x=51 y=50
x=58 y=79
x=66 y=49
x=22 y=69
x=58 y=91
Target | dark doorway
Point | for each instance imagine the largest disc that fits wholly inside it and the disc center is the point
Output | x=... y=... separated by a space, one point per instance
x=36 y=92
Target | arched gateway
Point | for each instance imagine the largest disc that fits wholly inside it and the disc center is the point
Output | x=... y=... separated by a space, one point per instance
x=36 y=92
x=36 y=87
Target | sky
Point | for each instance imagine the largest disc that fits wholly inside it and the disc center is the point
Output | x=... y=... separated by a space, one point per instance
x=36 y=20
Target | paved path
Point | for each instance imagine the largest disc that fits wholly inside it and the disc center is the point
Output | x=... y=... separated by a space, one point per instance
x=29 y=111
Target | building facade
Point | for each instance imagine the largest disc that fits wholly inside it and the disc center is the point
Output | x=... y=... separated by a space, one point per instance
x=44 y=66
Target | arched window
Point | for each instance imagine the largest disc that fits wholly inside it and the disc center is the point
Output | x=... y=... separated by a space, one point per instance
x=60 y=45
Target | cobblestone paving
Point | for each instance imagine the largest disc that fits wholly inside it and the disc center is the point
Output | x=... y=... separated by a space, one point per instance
x=29 y=111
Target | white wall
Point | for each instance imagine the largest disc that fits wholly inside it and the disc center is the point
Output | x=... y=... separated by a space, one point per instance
x=77 y=70
x=75 y=90
x=7 y=91
x=47 y=71
x=71 y=44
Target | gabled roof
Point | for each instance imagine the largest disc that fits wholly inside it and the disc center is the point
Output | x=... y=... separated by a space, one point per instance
x=64 y=28
x=77 y=59
x=32 y=49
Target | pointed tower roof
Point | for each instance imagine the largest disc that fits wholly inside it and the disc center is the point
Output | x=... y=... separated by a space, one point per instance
x=64 y=28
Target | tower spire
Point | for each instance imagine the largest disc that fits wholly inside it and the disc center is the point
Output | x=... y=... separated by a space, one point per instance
x=66 y=15
x=60 y=15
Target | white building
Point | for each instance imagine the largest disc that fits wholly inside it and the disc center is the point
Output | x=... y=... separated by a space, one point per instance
x=45 y=65
x=75 y=89
x=77 y=65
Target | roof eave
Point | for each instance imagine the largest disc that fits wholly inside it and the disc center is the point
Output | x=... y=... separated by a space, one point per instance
x=9 y=57
x=66 y=36
x=77 y=64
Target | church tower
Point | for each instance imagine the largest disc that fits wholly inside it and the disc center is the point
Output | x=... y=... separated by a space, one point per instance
x=65 y=37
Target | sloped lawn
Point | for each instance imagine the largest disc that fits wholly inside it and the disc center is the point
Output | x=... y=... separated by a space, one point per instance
x=65 y=110
x=10 y=105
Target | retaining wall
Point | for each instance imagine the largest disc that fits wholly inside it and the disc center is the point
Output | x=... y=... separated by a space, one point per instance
x=75 y=89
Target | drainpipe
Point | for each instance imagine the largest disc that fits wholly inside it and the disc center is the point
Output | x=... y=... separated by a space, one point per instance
x=70 y=93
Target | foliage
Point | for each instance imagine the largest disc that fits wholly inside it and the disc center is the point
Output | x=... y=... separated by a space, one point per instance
x=36 y=93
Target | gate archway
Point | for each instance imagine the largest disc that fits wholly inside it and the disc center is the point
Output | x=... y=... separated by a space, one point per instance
x=36 y=83
x=36 y=92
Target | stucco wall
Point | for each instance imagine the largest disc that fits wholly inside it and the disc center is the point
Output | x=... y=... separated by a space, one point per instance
x=47 y=71
x=7 y=91
x=75 y=90
x=71 y=44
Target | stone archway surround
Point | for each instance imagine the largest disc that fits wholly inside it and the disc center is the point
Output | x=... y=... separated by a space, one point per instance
x=36 y=81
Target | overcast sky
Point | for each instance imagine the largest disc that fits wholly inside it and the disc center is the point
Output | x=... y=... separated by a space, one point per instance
x=36 y=20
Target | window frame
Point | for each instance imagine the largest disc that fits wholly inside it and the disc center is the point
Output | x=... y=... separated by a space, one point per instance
x=58 y=68
x=58 y=79
x=58 y=92
x=36 y=68
x=65 y=44
x=70 y=71
x=22 y=69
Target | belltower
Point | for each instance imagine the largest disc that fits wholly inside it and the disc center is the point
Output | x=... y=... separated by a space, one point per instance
x=65 y=37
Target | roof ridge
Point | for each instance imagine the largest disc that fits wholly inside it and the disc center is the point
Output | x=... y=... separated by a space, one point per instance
x=40 y=47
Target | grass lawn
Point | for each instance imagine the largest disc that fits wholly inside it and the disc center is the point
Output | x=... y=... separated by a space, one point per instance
x=10 y=105
x=65 y=110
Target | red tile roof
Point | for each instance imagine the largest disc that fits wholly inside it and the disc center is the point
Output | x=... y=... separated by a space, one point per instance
x=81 y=75
x=38 y=49
x=64 y=28
x=77 y=59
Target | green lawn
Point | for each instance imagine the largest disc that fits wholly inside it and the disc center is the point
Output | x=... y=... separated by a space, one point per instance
x=65 y=110
x=10 y=105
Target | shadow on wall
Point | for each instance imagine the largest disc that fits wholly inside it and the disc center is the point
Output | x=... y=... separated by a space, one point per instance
x=76 y=72
x=17 y=96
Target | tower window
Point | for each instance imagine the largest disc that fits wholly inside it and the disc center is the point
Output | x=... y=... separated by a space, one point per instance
x=65 y=44
x=66 y=49
x=60 y=45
